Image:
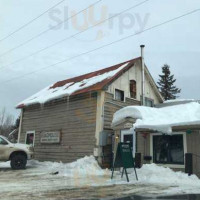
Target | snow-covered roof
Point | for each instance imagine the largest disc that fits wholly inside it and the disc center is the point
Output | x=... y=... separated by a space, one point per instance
x=160 y=119
x=89 y=82
x=175 y=102
x=178 y=100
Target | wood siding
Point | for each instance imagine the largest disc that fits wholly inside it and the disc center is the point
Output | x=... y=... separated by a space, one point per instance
x=111 y=106
x=75 y=118
x=193 y=141
x=135 y=73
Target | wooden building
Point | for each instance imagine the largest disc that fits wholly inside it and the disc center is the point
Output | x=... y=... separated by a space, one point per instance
x=156 y=145
x=72 y=118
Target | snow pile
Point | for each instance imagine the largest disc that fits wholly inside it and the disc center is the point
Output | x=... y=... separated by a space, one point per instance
x=175 y=182
x=86 y=172
x=154 y=174
x=178 y=100
x=83 y=167
x=50 y=93
x=161 y=119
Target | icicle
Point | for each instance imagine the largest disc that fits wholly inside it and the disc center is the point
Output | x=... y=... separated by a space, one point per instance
x=68 y=102
x=90 y=95
x=42 y=106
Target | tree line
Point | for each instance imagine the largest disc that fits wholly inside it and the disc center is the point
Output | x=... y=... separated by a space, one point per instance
x=7 y=122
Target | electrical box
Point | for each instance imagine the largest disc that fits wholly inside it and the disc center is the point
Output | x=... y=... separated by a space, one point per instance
x=103 y=136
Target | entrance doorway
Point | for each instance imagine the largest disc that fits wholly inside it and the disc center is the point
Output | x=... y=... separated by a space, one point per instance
x=128 y=136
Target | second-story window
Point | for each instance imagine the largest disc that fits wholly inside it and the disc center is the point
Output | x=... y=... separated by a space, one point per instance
x=133 y=89
x=149 y=102
x=119 y=95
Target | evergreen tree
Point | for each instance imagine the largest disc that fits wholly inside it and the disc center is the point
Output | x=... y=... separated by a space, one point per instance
x=166 y=84
x=17 y=122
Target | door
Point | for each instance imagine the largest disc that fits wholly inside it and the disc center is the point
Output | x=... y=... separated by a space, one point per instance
x=128 y=136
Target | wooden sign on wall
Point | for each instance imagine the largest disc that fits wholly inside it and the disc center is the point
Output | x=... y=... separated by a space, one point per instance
x=52 y=137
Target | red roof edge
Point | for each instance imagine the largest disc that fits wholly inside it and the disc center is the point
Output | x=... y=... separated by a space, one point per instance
x=91 y=74
x=97 y=86
x=20 y=106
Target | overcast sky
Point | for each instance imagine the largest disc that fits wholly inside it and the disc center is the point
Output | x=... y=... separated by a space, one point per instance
x=175 y=43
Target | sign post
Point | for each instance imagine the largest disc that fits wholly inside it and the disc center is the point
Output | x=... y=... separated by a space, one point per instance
x=124 y=158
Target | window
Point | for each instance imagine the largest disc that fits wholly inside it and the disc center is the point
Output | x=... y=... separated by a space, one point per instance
x=149 y=102
x=119 y=95
x=133 y=89
x=30 y=137
x=3 y=142
x=168 y=149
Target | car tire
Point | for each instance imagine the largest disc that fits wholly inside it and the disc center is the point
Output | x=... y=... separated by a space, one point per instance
x=18 y=161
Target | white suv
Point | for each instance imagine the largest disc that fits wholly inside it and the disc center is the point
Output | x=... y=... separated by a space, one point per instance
x=18 y=154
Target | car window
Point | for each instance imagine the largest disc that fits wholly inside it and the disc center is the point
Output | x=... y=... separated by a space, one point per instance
x=3 y=142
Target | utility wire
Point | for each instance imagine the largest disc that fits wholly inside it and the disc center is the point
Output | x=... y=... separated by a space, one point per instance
x=106 y=45
x=45 y=31
x=72 y=36
x=31 y=21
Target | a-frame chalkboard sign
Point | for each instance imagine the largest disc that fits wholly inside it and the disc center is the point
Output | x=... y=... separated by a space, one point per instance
x=124 y=158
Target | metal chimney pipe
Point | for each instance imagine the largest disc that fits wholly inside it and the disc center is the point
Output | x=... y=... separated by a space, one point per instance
x=143 y=74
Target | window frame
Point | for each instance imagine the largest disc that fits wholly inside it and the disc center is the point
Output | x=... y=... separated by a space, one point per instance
x=135 y=88
x=116 y=89
x=149 y=99
x=30 y=132
x=184 y=149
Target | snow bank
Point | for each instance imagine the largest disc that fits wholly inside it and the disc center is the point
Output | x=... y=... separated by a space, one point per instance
x=175 y=182
x=86 y=172
x=148 y=174
x=50 y=93
x=83 y=167
x=154 y=174
x=160 y=119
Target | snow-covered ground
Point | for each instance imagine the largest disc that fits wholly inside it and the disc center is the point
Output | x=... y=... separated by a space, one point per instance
x=49 y=180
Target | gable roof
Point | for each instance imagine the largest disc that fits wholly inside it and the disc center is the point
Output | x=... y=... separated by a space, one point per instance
x=93 y=81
